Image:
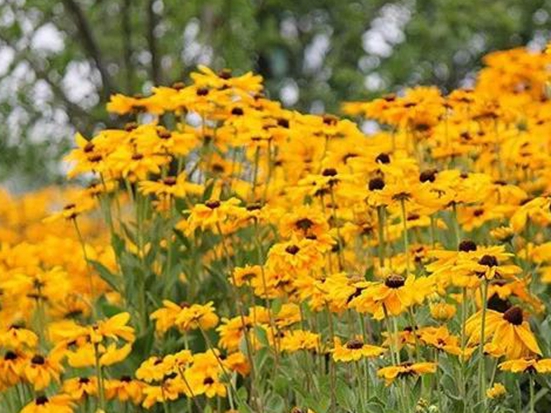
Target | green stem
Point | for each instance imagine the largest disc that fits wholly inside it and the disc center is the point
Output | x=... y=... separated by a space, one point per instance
x=381 y=231
x=532 y=397
x=255 y=172
x=332 y=373
x=463 y=346
x=457 y=228
x=482 y=364
x=335 y=222
x=99 y=372
x=405 y=229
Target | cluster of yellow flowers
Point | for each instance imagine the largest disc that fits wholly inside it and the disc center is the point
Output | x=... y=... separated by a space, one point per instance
x=230 y=254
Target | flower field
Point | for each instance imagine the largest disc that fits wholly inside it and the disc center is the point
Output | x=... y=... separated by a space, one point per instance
x=220 y=253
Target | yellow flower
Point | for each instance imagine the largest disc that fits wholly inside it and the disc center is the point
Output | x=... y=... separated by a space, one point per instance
x=152 y=369
x=165 y=317
x=441 y=339
x=508 y=331
x=295 y=340
x=171 y=186
x=354 y=350
x=60 y=403
x=80 y=387
x=40 y=371
x=169 y=390
x=12 y=367
x=527 y=365
x=393 y=296
x=442 y=311
x=15 y=337
x=197 y=316
x=405 y=370
x=496 y=391
x=125 y=389
x=212 y=214
x=114 y=328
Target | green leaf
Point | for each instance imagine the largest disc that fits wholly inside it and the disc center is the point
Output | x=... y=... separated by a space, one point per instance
x=346 y=397
x=106 y=275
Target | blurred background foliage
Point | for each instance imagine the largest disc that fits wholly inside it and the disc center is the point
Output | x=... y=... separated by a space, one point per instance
x=61 y=59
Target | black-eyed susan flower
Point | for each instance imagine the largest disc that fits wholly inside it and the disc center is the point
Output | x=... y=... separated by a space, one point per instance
x=527 y=365
x=125 y=389
x=41 y=370
x=60 y=403
x=354 y=350
x=391 y=373
x=509 y=331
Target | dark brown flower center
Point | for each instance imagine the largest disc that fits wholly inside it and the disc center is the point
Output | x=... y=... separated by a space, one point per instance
x=41 y=400
x=130 y=126
x=514 y=316
x=225 y=74
x=164 y=134
x=395 y=281
x=428 y=176
x=212 y=204
x=329 y=172
x=489 y=261
x=284 y=123
x=304 y=224
x=383 y=158
x=376 y=184
x=10 y=355
x=330 y=119
x=354 y=344
x=38 y=359
x=467 y=246
x=497 y=304
x=169 y=181
x=254 y=207
x=292 y=249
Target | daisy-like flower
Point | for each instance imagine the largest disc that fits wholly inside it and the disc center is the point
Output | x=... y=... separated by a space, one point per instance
x=12 y=367
x=61 y=403
x=441 y=339
x=171 y=186
x=16 y=336
x=114 y=328
x=197 y=316
x=527 y=365
x=80 y=387
x=41 y=370
x=508 y=331
x=212 y=214
x=393 y=296
x=354 y=350
x=403 y=370
x=125 y=389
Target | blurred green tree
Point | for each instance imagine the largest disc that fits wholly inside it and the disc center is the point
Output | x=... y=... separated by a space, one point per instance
x=60 y=60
